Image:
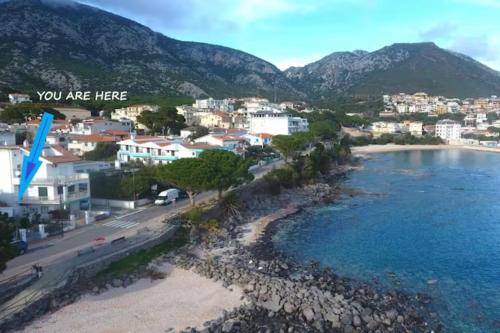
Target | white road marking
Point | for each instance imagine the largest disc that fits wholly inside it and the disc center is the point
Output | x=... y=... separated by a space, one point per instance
x=124 y=224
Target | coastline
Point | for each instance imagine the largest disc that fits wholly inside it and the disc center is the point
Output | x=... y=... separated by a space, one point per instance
x=372 y=149
x=279 y=293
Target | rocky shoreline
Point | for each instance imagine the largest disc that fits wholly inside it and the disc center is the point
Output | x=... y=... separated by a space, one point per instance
x=286 y=296
x=280 y=294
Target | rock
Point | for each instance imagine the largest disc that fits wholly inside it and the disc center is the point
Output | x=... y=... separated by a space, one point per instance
x=308 y=314
x=289 y=307
x=356 y=321
x=391 y=314
x=229 y=325
x=273 y=303
x=249 y=287
x=116 y=283
x=346 y=319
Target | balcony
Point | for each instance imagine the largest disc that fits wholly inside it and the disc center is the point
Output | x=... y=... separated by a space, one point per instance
x=56 y=181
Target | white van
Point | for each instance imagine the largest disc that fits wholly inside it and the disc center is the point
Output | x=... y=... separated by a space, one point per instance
x=167 y=196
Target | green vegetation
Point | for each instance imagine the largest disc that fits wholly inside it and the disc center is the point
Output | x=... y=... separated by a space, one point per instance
x=187 y=174
x=289 y=145
x=161 y=101
x=7 y=251
x=198 y=132
x=104 y=151
x=125 y=185
x=165 y=121
x=20 y=113
x=224 y=169
x=142 y=258
x=400 y=139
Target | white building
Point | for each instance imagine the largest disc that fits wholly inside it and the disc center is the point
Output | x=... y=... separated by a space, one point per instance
x=383 y=127
x=448 y=129
x=227 y=142
x=55 y=185
x=222 y=105
x=132 y=112
x=276 y=123
x=157 y=150
x=7 y=138
x=81 y=144
x=96 y=126
x=19 y=98
x=258 y=139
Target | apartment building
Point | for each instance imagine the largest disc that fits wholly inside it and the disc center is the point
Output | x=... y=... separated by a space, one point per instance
x=132 y=112
x=19 y=98
x=157 y=150
x=228 y=142
x=222 y=105
x=99 y=125
x=276 y=123
x=55 y=185
x=81 y=144
x=448 y=129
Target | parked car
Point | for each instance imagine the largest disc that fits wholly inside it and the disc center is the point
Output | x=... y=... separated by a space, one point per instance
x=20 y=246
x=167 y=196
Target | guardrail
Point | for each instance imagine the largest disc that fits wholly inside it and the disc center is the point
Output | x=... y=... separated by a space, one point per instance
x=115 y=250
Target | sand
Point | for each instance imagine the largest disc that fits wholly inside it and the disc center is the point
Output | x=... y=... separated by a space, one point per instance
x=255 y=229
x=392 y=147
x=183 y=299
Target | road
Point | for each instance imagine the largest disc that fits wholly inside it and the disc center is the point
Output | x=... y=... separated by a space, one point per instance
x=57 y=248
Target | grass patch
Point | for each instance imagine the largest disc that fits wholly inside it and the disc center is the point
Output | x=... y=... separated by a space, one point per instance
x=142 y=258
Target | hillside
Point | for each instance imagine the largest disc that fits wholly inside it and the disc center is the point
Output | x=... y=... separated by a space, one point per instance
x=397 y=68
x=77 y=47
x=73 y=46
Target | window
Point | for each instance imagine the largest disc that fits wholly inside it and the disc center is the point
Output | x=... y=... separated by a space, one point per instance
x=82 y=187
x=43 y=192
x=71 y=189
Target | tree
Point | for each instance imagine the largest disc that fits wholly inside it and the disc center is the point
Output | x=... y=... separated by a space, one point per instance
x=198 y=132
x=137 y=184
x=104 y=151
x=224 y=169
x=288 y=145
x=166 y=120
x=20 y=113
x=324 y=130
x=188 y=174
x=7 y=251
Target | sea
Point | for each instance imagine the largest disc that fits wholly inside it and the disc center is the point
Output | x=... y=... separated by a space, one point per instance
x=419 y=222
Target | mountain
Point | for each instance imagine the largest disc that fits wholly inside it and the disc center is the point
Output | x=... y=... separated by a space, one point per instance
x=62 y=45
x=393 y=69
x=47 y=44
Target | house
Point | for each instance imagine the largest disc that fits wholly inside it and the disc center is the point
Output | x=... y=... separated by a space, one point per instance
x=276 y=123
x=132 y=112
x=448 y=129
x=414 y=127
x=80 y=144
x=55 y=185
x=216 y=119
x=258 y=139
x=74 y=113
x=99 y=125
x=58 y=126
x=227 y=142
x=382 y=127
x=19 y=98
x=156 y=150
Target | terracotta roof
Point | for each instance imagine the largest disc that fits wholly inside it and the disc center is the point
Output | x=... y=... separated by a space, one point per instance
x=95 y=138
x=64 y=157
x=117 y=133
x=262 y=135
x=199 y=146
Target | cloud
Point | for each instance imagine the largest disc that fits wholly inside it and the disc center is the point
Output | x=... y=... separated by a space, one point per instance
x=284 y=63
x=201 y=15
x=438 y=31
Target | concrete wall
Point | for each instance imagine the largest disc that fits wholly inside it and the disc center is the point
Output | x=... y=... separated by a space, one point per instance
x=120 y=203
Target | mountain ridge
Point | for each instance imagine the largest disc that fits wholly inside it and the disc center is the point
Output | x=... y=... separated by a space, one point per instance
x=72 y=46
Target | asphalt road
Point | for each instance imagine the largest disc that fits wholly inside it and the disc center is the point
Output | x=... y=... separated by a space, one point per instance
x=57 y=248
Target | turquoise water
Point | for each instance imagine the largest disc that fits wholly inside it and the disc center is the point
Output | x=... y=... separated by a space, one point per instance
x=430 y=217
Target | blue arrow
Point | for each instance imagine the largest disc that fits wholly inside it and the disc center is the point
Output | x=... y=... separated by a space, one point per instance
x=31 y=163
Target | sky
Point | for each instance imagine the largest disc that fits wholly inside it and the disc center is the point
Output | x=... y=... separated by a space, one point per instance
x=297 y=32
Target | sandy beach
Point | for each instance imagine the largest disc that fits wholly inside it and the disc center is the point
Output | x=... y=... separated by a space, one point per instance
x=182 y=299
x=392 y=148
x=255 y=229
